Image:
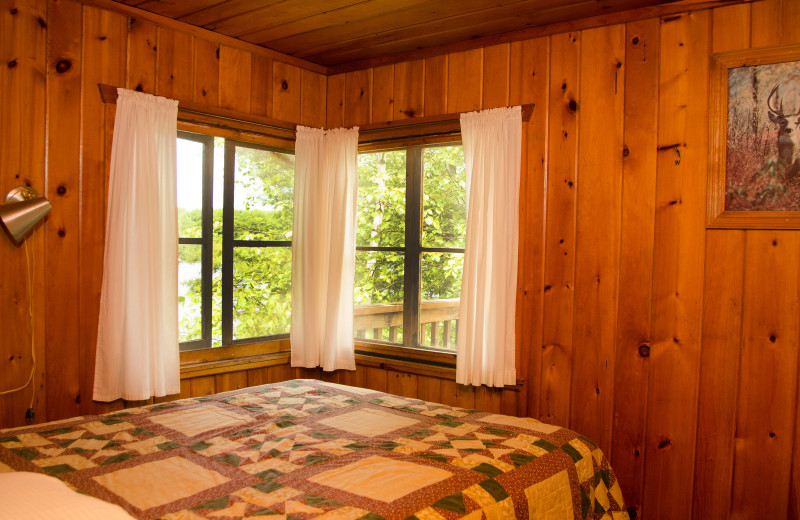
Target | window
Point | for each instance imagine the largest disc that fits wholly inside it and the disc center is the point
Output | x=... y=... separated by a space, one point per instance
x=410 y=237
x=235 y=205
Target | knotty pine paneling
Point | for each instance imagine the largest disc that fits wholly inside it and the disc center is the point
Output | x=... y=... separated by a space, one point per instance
x=598 y=213
x=722 y=326
x=56 y=136
x=495 y=76
x=382 y=94
x=357 y=98
x=63 y=286
x=409 y=86
x=286 y=91
x=174 y=77
x=524 y=60
x=636 y=282
x=463 y=85
x=677 y=266
x=105 y=39
x=559 y=264
x=22 y=152
x=435 y=91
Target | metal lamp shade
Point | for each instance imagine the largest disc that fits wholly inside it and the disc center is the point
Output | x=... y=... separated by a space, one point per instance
x=18 y=217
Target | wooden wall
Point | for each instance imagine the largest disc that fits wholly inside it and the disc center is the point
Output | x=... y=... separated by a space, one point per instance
x=672 y=346
x=56 y=137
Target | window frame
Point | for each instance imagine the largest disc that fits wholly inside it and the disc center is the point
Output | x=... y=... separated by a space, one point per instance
x=228 y=243
x=206 y=242
x=412 y=259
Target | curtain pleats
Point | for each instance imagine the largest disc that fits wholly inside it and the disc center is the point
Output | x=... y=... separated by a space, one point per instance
x=137 y=337
x=492 y=142
x=323 y=248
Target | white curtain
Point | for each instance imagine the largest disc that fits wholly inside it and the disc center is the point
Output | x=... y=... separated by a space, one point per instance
x=492 y=151
x=323 y=248
x=137 y=339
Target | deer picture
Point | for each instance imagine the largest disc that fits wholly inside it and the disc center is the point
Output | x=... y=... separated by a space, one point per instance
x=787 y=150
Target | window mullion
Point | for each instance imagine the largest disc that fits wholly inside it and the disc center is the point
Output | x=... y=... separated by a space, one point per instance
x=227 y=243
x=413 y=246
x=207 y=261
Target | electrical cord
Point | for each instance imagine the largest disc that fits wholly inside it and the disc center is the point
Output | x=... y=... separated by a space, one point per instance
x=29 y=414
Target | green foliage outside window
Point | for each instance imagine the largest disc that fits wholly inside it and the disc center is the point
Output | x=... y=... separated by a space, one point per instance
x=263 y=211
x=263 y=202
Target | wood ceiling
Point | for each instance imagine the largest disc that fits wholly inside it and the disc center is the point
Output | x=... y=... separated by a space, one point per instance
x=335 y=33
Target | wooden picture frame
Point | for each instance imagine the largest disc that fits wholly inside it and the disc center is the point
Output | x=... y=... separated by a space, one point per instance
x=756 y=183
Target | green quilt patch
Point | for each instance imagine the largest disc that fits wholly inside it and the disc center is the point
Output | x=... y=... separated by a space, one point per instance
x=267 y=487
x=520 y=459
x=433 y=456
x=317 y=501
x=494 y=488
x=230 y=459
x=217 y=503
x=574 y=454
x=488 y=470
x=453 y=503
x=59 y=469
x=26 y=453
x=118 y=458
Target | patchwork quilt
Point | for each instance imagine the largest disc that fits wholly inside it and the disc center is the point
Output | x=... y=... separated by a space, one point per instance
x=306 y=449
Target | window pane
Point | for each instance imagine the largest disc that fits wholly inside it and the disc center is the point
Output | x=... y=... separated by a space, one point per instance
x=263 y=195
x=189 y=302
x=444 y=203
x=379 y=295
x=439 y=305
x=190 y=188
x=262 y=296
x=381 y=199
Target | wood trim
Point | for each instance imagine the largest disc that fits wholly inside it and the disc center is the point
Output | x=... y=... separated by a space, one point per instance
x=219 y=354
x=419 y=130
x=534 y=32
x=420 y=354
x=193 y=370
x=418 y=361
x=108 y=93
x=417 y=127
x=236 y=43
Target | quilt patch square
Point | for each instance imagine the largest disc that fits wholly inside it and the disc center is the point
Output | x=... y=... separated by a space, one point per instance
x=145 y=486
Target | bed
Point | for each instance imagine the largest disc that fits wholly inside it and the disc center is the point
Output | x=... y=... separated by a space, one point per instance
x=305 y=449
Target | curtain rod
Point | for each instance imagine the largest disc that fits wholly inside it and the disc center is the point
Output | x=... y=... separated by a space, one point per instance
x=438 y=124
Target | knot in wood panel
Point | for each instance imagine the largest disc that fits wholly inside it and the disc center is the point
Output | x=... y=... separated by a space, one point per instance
x=63 y=65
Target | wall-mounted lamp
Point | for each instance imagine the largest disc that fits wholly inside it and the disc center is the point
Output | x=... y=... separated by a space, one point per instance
x=23 y=208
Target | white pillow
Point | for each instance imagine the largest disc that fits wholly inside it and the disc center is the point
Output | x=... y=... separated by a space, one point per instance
x=33 y=496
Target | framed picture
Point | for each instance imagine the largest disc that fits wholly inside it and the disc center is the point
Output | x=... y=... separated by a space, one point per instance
x=754 y=140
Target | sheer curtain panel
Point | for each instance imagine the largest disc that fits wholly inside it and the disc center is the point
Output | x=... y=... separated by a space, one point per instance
x=492 y=142
x=137 y=338
x=324 y=248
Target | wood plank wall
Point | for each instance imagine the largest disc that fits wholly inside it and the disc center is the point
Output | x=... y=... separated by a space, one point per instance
x=56 y=136
x=673 y=346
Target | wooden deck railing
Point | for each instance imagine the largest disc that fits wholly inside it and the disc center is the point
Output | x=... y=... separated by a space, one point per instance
x=438 y=322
